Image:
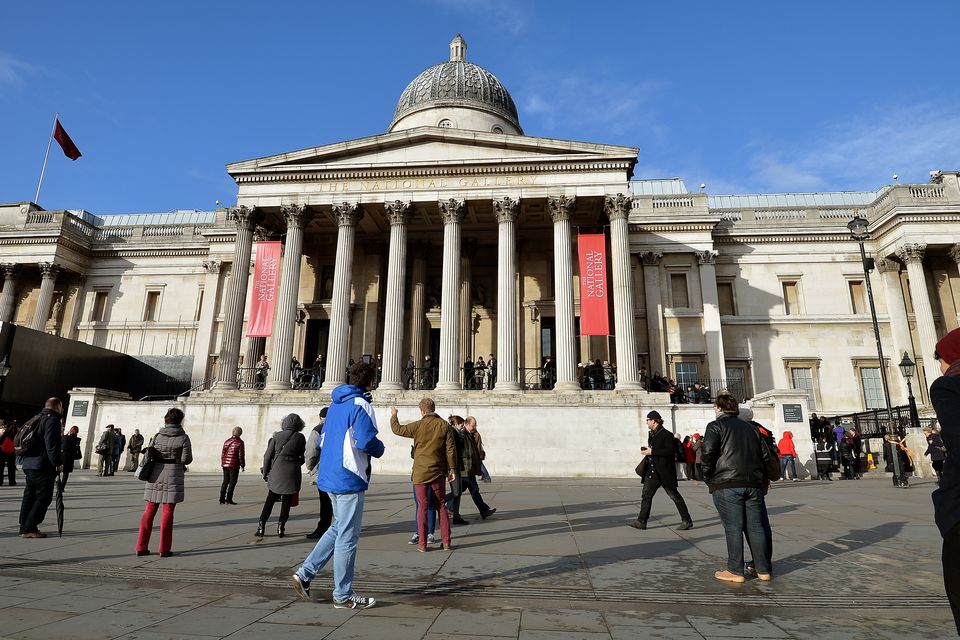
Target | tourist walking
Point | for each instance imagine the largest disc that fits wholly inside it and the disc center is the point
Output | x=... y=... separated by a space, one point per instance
x=42 y=461
x=894 y=446
x=936 y=450
x=695 y=445
x=434 y=460
x=8 y=459
x=661 y=471
x=71 y=452
x=945 y=398
x=735 y=463
x=825 y=452
x=105 y=448
x=347 y=444
x=134 y=447
x=233 y=460
x=118 y=446
x=788 y=456
x=164 y=484
x=312 y=457
x=281 y=471
x=848 y=457
x=469 y=455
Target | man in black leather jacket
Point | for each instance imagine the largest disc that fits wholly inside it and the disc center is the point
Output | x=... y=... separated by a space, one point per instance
x=661 y=472
x=733 y=459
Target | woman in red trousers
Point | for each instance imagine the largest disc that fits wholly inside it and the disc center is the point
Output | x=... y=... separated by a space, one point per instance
x=165 y=484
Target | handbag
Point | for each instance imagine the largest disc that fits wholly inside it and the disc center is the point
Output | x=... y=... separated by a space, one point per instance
x=643 y=466
x=276 y=455
x=147 y=462
x=295 y=500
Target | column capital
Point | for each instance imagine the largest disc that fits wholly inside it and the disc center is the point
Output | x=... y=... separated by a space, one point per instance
x=49 y=270
x=398 y=211
x=617 y=207
x=706 y=257
x=10 y=269
x=506 y=209
x=296 y=215
x=561 y=208
x=452 y=210
x=244 y=217
x=212 y=266
x=911 y=252
x=887 y=265
x=651 y=258
x=348 y=214
x=954 y=253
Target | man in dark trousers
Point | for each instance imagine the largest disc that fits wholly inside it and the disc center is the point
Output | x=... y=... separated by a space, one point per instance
x=312 y=456
x=41 y=464
x=661 y=472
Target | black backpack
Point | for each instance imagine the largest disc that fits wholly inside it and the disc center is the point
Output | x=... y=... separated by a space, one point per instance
x=27 y=436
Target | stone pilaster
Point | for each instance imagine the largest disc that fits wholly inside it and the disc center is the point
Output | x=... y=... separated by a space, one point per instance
x=954 y=253
x=716 y=360
x=206 y=326
x=245 y=218
x=398 y=214
x=561 y=211
x=347 y=215
x=899 y=325
x=912 y=255
x=506 y=210
x=48 y=280
x=618 y=211
x=651 y=292
x=418 y=300
x=452 y=212
x=8 y=297
x=285 y=319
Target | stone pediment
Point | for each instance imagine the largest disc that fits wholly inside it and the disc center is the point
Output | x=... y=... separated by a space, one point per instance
x=428 y=148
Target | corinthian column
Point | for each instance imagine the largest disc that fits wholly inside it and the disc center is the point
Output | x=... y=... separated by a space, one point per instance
x=398 y=214
x=912 y=255
x=955 y=256
x=347 y=215
x=48 y=279
x=618 y=210
x=8 y=297
x=651 y=292
x=561 y=210
x=468 y=250
x=507 y=210
x=899 y=325
x=452 y=212
x=245 y=218
x=418 y=297
x=284 y=322
x=716 y=360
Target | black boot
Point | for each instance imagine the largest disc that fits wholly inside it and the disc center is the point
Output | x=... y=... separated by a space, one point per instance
x=316 y=534
x=260 y=528
x=280 y=529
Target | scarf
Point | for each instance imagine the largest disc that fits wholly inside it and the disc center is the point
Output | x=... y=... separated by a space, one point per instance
x=954 y=369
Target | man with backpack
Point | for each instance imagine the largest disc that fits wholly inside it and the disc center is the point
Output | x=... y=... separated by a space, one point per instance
x=39 y=444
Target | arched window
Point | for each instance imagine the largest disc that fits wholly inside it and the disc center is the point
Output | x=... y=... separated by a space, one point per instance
x=446 y=123
x=497 y=129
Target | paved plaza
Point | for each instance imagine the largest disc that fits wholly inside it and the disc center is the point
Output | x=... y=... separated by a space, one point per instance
x=852 y=560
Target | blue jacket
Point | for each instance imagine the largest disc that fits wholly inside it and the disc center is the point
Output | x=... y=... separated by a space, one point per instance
x=348 y=441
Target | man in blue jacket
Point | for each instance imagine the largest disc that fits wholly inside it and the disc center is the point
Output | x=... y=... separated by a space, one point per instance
x=41 y=464
x=347 y=444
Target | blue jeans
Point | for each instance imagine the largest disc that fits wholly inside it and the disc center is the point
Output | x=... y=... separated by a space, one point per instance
x=339 y=541
x=784 y=461
x=741 y=512
x=431 y=513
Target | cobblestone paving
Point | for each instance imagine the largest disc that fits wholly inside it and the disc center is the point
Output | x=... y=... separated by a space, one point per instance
x=854 y=559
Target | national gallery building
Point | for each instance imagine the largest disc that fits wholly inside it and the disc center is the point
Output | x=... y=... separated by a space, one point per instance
x=454 y=235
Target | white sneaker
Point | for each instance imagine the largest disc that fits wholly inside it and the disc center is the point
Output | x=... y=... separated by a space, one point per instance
x=431 y=539
x=414 y=540
x=354 y=602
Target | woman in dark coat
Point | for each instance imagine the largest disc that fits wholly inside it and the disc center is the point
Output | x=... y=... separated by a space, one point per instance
x=165 y=484
x=281 y=471
x=71 y=452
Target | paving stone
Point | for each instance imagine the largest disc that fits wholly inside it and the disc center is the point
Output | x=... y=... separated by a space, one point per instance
x=95 y=625
x=267 y=631
x=562 y=635
x=562 y=620
x=319 y=613
x=365 y=627
x=486 y=623
x=72 y=603
x=746 y=626
x=16 y=619
x=209 y=620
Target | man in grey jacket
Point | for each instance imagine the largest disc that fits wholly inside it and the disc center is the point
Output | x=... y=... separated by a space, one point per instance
x=312 y=458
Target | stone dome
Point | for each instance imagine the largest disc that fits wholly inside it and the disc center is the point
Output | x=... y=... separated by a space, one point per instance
x=458 y=84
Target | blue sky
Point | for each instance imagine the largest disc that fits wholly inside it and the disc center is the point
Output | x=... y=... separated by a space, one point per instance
x=743 y=96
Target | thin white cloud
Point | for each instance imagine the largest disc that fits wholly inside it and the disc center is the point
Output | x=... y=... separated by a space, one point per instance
x=14 y=72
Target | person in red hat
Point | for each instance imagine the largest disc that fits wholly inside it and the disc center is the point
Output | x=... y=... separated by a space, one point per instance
x=945 y=398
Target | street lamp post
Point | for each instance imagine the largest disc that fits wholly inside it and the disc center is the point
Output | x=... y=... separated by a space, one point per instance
x=908 y=367
x=858 y=229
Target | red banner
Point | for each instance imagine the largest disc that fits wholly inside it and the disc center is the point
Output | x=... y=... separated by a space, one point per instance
x=594 y=319
x=263 y=299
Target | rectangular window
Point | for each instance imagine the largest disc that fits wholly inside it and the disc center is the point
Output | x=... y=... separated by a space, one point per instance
x=737 y=382
x=99 y=312
x=872 y=388
x=678 y=287
x=725 y=296
x=686 y=373
x=801 y=379
x=857 y=297
x=151 y=309
x=791 y=298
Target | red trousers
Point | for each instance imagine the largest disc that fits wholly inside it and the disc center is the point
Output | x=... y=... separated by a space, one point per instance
x=437 y=487
x=166 y=527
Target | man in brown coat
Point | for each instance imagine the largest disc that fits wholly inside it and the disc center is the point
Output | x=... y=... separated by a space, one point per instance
x=434 y=459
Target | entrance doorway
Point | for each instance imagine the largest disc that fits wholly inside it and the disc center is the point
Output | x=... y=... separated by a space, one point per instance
x=315 y=342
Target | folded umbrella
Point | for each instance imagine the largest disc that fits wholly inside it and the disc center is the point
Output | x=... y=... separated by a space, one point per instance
x=59 y=505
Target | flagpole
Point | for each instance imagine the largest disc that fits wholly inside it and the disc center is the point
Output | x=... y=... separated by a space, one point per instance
x=45 y=156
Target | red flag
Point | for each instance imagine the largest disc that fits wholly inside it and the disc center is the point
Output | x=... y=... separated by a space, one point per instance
x=263 y=301
x=594 y=320
x=69 y=149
